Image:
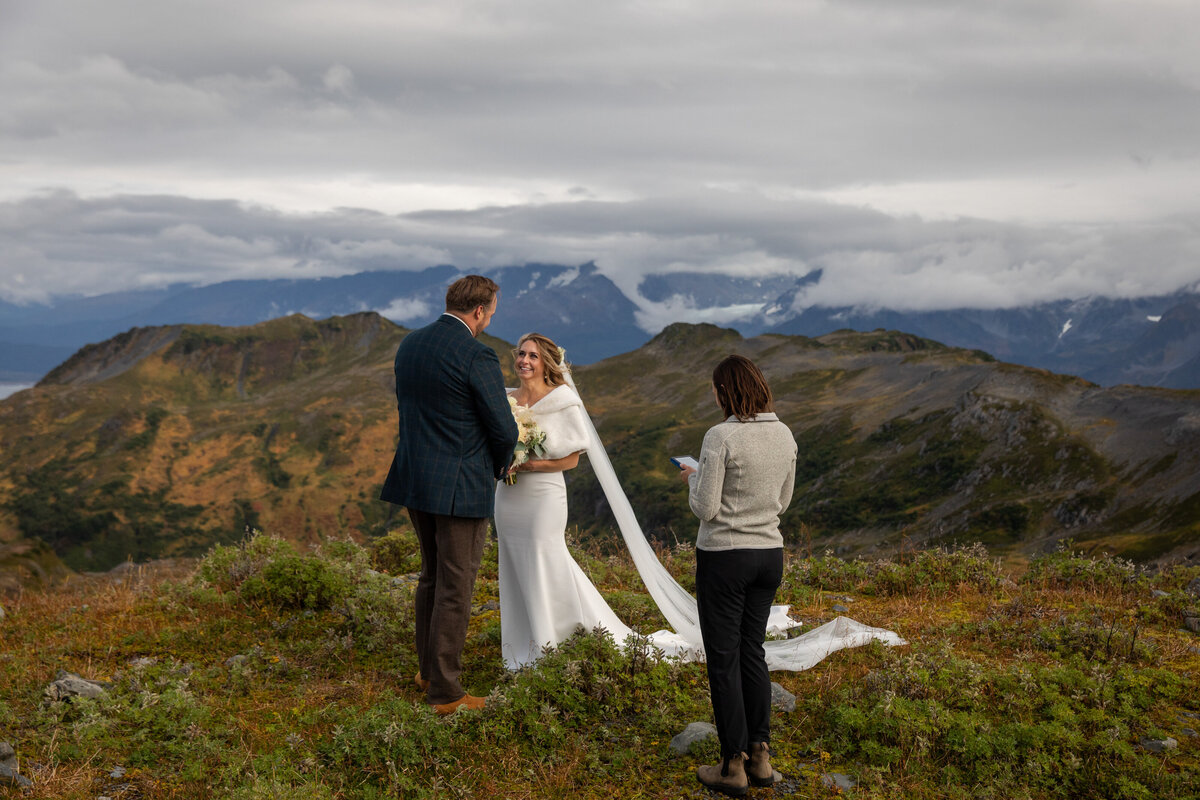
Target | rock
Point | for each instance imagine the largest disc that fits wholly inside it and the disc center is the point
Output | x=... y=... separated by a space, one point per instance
x=139 y=663
x=1192 y=624
x=841 y=609
x=694 y=732
x=1190 y=732
x=836 y=780
x=782 y=699
x=8 y=768
x=117 y=772
x=10 y=777
x=69 y=685
x=1159 y=745
x=1158 y=594
x=235 y=661
x=490 y=605
x=2 y=614
x=1193 y=587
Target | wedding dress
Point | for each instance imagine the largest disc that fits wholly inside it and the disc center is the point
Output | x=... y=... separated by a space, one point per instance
x=545 y=596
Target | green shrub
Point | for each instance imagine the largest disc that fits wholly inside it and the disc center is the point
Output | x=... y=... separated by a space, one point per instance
x=397 y=553
x=266 y=569
x=926 y=572
x=1057 y=731
x=145 y=720
x=1065 y=568
x=295 y=581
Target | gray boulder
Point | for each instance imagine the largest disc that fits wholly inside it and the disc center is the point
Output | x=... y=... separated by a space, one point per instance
x=1193 y=587
x=2 y=614
x=70 y=685
x=1158 y=594
x=1159 y=745
x=694 y=732
x=8 y=768
x=840 y=609
x=782 y=699
x=836 y=780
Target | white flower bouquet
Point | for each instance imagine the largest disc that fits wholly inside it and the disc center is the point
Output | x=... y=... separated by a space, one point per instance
x=531 y=439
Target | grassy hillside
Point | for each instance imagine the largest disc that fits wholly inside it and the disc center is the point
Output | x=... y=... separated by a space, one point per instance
x=275 y=672
x=904 y=442
x=164 y=441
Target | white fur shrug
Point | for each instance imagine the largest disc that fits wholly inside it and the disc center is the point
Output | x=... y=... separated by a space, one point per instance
x=560 y=415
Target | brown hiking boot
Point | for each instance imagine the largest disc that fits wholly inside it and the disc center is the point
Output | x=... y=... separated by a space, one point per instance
x=466 y=701
x=728 y=777
x=758 y=767
x=421 y=683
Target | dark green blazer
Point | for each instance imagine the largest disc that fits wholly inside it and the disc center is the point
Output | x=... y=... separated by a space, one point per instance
x=456 y=428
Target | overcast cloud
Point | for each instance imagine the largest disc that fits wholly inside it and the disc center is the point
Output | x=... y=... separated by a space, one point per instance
x=923 y=154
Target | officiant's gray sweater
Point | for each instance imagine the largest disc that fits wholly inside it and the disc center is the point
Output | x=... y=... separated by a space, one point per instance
x=747 y=472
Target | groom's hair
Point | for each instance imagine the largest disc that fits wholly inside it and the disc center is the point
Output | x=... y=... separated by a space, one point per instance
x=469 y=293
x=548 y=350
x=742 y=390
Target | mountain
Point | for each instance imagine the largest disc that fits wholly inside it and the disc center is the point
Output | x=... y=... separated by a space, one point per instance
x=1149 y=341
x=1109 y=341
x=586 y=311
x=164 y=440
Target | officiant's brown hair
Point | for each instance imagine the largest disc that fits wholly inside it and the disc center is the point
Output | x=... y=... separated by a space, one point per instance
x=742 y=390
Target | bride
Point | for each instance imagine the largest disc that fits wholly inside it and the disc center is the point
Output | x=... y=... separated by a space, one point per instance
x=544 y=594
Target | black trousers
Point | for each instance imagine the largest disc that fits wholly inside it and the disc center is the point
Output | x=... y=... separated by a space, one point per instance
x=451 y=549
x=734 y=590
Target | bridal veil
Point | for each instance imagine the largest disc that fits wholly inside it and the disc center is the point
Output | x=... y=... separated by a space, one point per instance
x=679 y=607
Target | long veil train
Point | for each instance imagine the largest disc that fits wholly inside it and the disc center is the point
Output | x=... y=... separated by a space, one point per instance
x=679 y=607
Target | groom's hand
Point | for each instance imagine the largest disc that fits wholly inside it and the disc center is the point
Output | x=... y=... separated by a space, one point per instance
x=686 y=472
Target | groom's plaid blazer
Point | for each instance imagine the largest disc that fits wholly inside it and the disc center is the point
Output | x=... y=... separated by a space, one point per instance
x=456 y=428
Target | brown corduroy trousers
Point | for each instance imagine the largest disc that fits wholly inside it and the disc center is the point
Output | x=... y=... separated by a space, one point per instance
x=451 y=548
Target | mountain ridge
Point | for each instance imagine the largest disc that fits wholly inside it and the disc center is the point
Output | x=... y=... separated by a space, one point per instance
x=1148 y=340
x=163 y=441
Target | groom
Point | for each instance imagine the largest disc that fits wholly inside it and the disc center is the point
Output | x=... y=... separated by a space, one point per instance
x=456 y=439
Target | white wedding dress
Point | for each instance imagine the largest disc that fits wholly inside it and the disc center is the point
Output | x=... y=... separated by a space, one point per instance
x=545 y=596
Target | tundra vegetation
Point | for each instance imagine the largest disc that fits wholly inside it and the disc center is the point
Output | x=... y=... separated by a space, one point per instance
x=270 y=670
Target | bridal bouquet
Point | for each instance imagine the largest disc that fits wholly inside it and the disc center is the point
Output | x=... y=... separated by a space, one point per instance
x=531 y=440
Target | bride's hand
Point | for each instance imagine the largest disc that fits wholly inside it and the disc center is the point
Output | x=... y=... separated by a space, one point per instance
x=686 y=472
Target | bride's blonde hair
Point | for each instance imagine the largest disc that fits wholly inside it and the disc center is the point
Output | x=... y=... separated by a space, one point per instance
x=553 y=367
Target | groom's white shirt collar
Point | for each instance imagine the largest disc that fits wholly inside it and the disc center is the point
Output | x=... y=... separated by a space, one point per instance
x=460 y=319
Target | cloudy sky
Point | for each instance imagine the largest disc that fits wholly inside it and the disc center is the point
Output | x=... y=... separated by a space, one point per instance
x=923 y=153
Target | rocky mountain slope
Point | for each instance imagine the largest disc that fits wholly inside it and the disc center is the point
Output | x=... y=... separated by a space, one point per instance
x=162 y=441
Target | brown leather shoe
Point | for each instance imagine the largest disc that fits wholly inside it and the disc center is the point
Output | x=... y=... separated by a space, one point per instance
x=421 y=683
x=758 y=767
x=728 y=777
x=466 y=701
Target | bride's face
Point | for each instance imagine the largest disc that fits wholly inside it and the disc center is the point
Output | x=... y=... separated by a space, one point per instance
x=529 y=362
